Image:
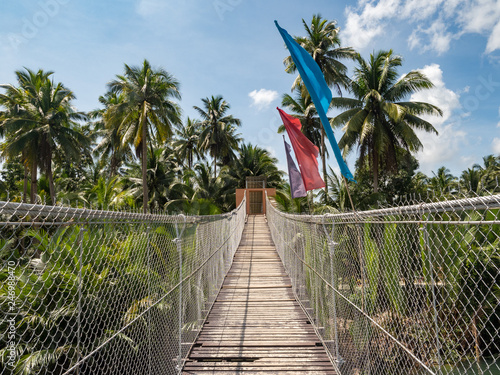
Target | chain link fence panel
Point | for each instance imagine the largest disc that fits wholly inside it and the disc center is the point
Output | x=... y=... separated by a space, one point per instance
x=413 y=289
x=100 y=292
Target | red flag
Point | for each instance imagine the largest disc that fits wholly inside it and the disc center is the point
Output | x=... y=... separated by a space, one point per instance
x=305 y=152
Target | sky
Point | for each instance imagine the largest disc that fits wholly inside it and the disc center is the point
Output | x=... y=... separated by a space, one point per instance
x=232 y=48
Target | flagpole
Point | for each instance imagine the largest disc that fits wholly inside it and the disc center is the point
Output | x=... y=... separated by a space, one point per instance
x=348 y=193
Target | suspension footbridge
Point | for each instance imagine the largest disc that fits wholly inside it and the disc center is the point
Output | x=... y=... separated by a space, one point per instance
x=412 y=289
x=255 y=323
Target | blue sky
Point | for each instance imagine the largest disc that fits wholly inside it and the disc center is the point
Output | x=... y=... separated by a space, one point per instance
x=232 y=48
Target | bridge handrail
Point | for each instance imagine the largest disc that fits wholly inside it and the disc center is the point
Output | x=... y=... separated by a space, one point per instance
x=98 y=292
x=410 y=289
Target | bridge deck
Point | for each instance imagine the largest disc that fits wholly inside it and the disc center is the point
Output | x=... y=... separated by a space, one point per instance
x=256 y=325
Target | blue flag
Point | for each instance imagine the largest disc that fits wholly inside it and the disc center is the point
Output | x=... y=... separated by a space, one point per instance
x=297 y=187
x=318 y=89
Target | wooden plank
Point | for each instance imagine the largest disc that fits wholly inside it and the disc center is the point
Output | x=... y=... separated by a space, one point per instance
x=261 y=372
x=248 y=367
x=255 y=325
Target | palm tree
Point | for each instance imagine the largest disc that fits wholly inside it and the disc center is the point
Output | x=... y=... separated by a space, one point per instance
x=442 y=181
x=376 y=119
x=338 y=196
x=218 y=130
x=286 y=203
x=43 y=125
x=255 y=161
x=201 y=193
x=12 y=100
x=420 y=183
x=302 y=107
x=110 y=150
x=161 y=174
x=323 y=44
x=490 y=173
x=186 y=142
x=471 y=178
x=147 y=110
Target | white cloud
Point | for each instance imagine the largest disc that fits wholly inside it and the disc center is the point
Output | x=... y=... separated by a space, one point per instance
x=420 y=9
x=448 y=144
x=435 y=37
x=436 y=22
x=362 y=28
x=439 y=36
x=263 y=98
x=414 y=40
x=479 y=16
x=440 y=149
x=439 y=95
x=495 y=145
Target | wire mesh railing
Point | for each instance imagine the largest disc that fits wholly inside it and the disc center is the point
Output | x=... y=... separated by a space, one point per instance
x=101 y=292
x=407 y=290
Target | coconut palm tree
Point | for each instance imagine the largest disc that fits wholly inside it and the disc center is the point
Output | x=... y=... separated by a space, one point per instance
x=12 y=100
x=338 y=196
x=255 y=161
x=218 y=130
x=490 y=173
x=147 y=110
x=42 y=124
x=471 y=178
x=378 y=119
x=201 y=193
x=111 y=151
x=443 y=181
x=162 y=170
x=420 y=183
x=186 y=142
x=286 y=203
x=323 y=43
x=302 y=107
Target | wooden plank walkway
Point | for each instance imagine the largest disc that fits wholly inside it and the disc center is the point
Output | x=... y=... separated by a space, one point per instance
x=256 y=326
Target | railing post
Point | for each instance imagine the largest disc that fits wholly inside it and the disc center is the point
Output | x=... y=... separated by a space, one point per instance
x=433 y=289
x=79 y=322
x=331 y=248
x=362 y=266
x=178 y=242
x=148 y=251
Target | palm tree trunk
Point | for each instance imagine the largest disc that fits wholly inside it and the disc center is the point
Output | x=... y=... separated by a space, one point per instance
x=323 y=153
x=215 y=166
x=113 y=165
x=375 y=171
x=51 y=186
x=25 y=184
x=50 y=177
x=145 y=197
x=34 y=188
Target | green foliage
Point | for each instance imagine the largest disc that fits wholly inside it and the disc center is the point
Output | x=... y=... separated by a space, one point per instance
x=97 y=279
x=392 y=264
x=371 y=258
x=11 y=182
